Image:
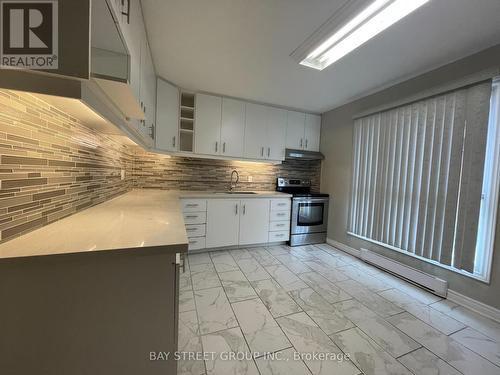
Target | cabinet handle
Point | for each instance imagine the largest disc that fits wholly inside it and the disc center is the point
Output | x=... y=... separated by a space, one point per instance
x=173 y=141
x=262 y=151
x=236 y=213
x=300 y=142
x=268 y=151
x=152 y=134
x=191 y=216
x=280 y=235
x=281 y=204
x=190 y=229
x=280 y=214
x=306 y=142
x=278 y=225
x=216 y=146
x=192 y=205
x=244 y=209
x=224 y=147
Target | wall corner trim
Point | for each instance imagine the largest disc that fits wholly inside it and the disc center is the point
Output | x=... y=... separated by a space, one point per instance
x=467 y=302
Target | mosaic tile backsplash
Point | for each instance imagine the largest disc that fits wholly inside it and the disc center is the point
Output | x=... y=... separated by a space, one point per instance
x=160 y=171
x=52 y=165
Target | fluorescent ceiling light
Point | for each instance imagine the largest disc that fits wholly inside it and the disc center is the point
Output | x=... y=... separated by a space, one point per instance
x=372 y=20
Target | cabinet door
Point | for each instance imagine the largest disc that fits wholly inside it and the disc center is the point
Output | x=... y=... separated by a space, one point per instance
x=133 y=34
x=295 y=130
x=167 y=116
x=222 y=222
x=254 y=221
x=150 y=92
x=312 y=133
x=232 y=134
x=276 y=133
x=144 y=87
x=207 y=123
x=255 y=131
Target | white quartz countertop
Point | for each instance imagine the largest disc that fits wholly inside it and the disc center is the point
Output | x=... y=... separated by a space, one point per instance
x=138 y=219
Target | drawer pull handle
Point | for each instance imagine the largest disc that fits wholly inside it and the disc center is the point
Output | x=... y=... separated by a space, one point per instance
x=281 y=204
x=192 y=205
x=191 y=216
x=281 y=214
x=280 y=225
x=191 y=229
x=193 y=242
x=279 y=235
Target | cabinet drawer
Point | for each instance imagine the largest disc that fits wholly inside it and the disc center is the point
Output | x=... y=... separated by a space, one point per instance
x=195 y=230
x=195 y=218
x=280 y=215
x=196 y=243
x=280 y=204
x=275 y=226
x=283 y=235
x=194 y=205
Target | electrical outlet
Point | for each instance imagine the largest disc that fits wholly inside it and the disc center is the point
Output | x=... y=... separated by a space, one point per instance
x=250 y=178
x=122 y=175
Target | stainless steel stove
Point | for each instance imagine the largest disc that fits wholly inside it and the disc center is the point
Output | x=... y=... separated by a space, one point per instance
x=309 y=216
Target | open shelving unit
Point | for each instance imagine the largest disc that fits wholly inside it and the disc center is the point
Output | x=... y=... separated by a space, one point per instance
x=186 y=122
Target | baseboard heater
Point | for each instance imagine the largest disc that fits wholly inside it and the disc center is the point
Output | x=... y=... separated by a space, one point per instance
x=431 y=283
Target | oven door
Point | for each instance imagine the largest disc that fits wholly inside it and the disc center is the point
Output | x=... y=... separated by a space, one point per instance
x=309 y=215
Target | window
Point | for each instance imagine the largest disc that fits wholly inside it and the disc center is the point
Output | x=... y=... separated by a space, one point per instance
x=491 y=183
x=425 y=178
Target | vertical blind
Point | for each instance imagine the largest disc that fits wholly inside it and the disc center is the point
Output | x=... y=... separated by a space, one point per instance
x=417 y=175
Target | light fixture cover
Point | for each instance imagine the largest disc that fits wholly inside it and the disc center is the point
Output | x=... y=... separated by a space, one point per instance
x=353 y=25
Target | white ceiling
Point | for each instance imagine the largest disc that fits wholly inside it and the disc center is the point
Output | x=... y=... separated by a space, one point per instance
x=241 y=48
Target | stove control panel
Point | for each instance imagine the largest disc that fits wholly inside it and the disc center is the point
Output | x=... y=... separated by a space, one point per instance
x=293 y=182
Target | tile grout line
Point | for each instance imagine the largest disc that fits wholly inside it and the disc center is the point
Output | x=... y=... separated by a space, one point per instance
x=234 y=314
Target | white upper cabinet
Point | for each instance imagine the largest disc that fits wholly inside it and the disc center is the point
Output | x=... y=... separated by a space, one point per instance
x=256 y=131
x=254 y=221
x=167 y=116
x=133 y=32
x=276 y=133
x=312 y=132
x=208 y=112
x=303 y=131
x=295 y=130
x=232 y=134
x=148 y=88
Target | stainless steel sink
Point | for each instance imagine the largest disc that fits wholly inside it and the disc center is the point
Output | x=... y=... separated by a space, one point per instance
x=235 y=192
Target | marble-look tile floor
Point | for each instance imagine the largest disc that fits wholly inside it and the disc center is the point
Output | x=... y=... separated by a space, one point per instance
x=277 y=306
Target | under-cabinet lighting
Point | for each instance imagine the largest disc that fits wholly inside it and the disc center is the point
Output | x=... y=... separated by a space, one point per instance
x=372 y=20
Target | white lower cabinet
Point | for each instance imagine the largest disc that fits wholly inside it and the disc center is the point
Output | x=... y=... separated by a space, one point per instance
x=222 y=222
x=254 y=221
x=194 y=212
x=212 y=223
x=279 y=220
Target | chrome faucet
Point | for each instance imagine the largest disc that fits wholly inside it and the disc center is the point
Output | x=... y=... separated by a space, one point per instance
x=231 y=185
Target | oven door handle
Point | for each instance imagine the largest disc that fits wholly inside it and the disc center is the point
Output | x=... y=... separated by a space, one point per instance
x=311 y=200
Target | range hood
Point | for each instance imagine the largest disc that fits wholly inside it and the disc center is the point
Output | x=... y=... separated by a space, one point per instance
x=291 y=154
